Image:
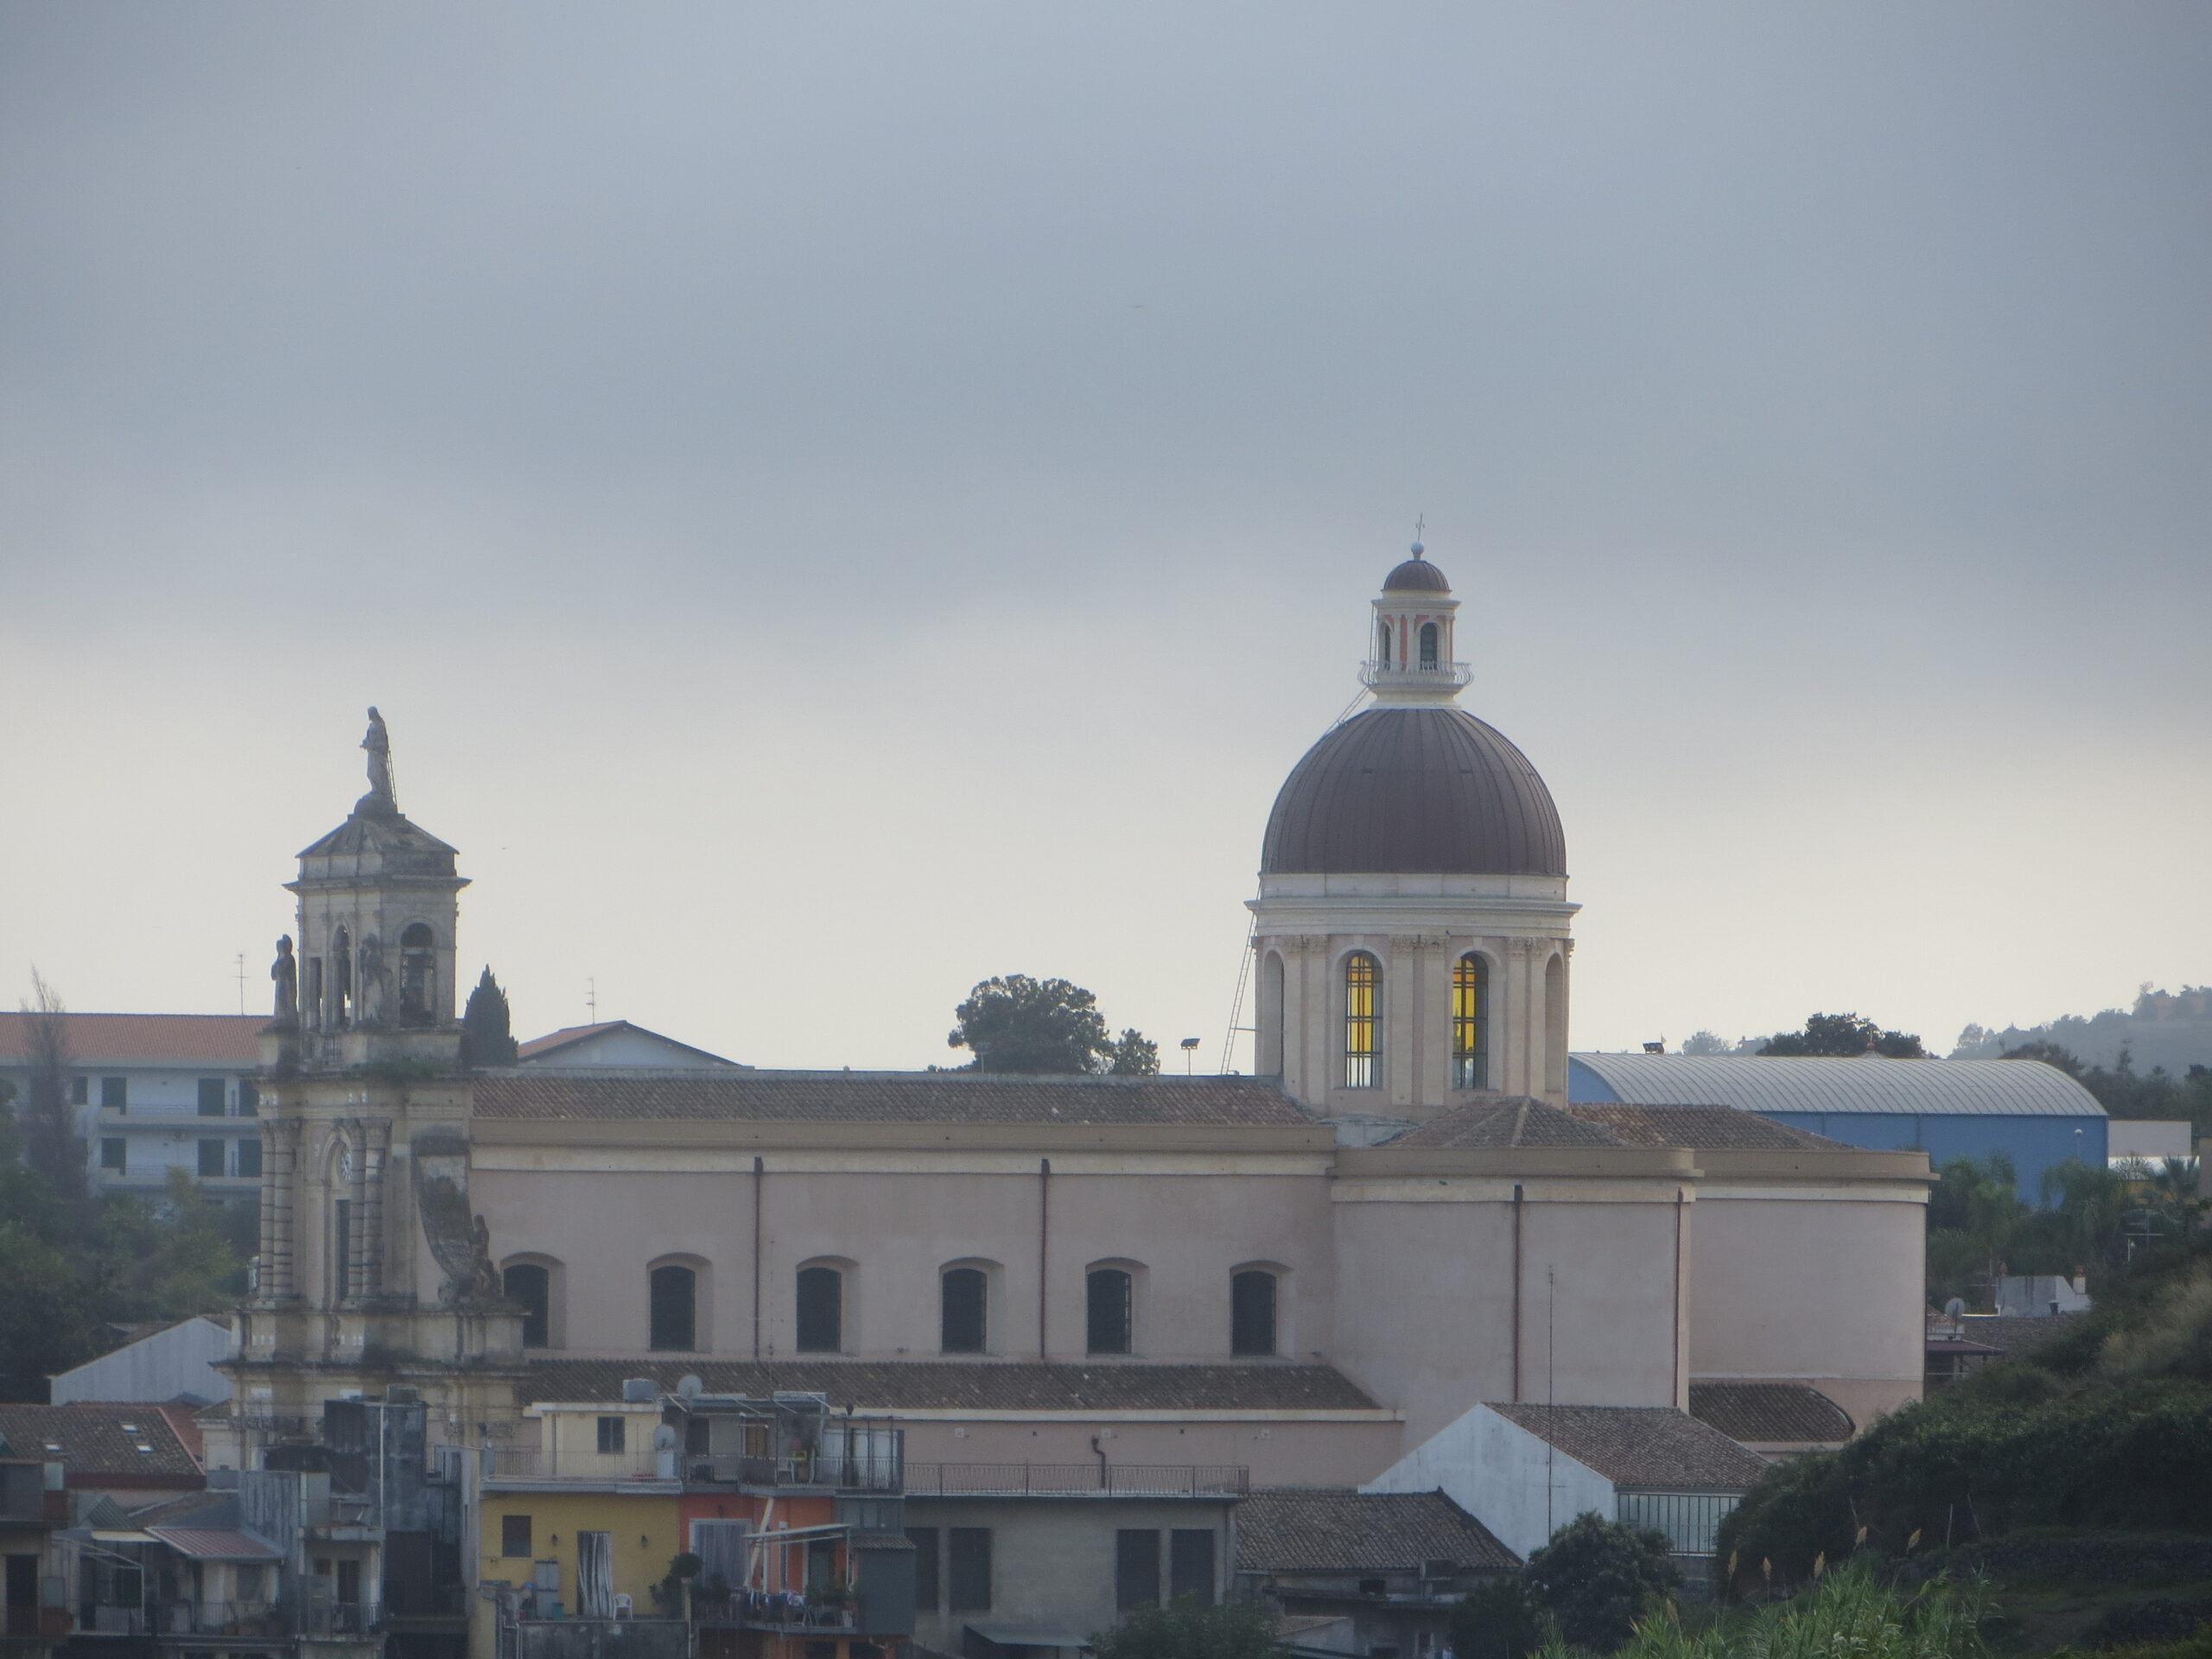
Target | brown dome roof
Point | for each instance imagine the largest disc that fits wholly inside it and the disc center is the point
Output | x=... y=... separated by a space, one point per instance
x=1415 y=792
x=1416 y=576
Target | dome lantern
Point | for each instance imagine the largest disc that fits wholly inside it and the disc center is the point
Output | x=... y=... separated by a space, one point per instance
x=1410 y=664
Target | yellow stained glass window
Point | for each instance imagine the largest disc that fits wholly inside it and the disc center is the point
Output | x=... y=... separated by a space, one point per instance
x=1471 y=1023
x=1362 y=990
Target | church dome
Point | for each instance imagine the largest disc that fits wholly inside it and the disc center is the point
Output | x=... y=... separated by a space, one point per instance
x=1415 y=575
x=1413 y=792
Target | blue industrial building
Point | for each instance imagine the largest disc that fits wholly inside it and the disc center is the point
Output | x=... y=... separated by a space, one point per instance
x=2034 y=1113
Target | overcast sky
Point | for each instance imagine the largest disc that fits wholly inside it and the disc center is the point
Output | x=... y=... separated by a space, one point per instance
x=836 y=502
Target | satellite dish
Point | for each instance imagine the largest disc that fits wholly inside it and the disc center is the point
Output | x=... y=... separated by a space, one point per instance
x=664 y=1438
x=689 y=1387
x=1955 y=1308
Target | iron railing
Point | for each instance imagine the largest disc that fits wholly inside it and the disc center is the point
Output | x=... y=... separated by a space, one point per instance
x=1077 y=1480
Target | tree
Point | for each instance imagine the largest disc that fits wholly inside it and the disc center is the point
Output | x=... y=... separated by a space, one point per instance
x=1045 y=1027
x=488 y=1026
x=51 y=1143
x=1706 y=1042
x=1494 y=1620
x=1598 y=1577
x=1191 y=1630
x=1845 y=1035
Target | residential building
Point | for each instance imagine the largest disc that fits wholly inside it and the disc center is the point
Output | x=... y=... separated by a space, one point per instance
x=1369 y=1574
x=619 y=1043
x=155 y=1093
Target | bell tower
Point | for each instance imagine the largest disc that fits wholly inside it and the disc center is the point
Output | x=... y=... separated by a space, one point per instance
x=373 y=1269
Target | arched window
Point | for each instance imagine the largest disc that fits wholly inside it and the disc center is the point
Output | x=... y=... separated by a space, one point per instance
x=418 y=976
x=821 y=1311
x=1471 y=1022
x=531 y=1286
x=341 y=980
x=967 y=1292
x=1252 y=1312
x=1362 y=998
x=1108 y=1307
x=1428 y=644
x=674 y=1309
x=1382 y=645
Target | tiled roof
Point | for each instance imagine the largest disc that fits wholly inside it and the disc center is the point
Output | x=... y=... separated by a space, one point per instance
x=1641 y=1445
x=217 y=1544
x=225 y=1039
x=1514 y=1121
x=1704 y=1129
x=884 y=1098
x=1337 y=1531
x=932 y=1385
x=569 y=1036
x=1770 y=1413
x=94 y=1442
x=2019 y=1333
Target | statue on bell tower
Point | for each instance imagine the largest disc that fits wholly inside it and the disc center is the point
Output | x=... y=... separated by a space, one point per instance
x=381 y=798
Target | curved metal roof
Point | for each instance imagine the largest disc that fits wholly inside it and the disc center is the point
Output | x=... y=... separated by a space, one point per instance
x=1425 y=791
x=1416 y=575
x=1956 y=1088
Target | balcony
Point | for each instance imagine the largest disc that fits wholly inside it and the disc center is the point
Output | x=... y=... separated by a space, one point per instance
x=1078 y=1480
x=266 y=1620
x=507 y=1465
x=867 y=1469
x=594 y=1638
x=1415 y=676
x=773 y=1610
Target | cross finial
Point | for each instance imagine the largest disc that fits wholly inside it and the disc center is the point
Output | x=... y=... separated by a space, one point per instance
x=1421 y=524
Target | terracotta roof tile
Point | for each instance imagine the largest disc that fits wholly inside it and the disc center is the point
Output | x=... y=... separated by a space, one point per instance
x=1641 y=1445
x=223 y=1038
x=94 y=1442
x=931 y=1385
x=1704 y=1129
x=1348 y=1532
x=1770 y=1413
x=1510 y=1120
x=884 y=1098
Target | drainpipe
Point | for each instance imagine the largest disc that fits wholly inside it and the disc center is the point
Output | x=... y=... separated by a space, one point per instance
x=1516 y=1290
x=1043 y=1249
x=1675 y=1381
x=760 y=1179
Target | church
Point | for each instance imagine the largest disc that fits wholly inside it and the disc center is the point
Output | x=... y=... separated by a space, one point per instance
x=1398 y=1259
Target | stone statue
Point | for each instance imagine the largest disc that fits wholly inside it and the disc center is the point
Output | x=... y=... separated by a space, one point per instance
x=484 y=1276
x=285 y=971
x=369 y=987
x=381 y=797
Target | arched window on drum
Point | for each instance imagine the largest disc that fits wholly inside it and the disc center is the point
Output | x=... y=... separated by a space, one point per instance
x=1471 y=1022
x=1362 y=1010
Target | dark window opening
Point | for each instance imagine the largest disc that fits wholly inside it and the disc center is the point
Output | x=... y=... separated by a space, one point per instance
x=821 y=1311
x=968 y=1552
x=1383 y=646
x=1190 y=1564
x=531 y=1287
x=611 y=1435
x=249 y=1098
x=211 y=1159
x=926 y=1594
x=418 y=976
x=80 y=1091
x=111 y=1154
x=342 y=980
x=1428 y=644
x=1107 y=1310
x=210 y=1096
x=341 y=1250
x=514 y=1536
x=967 y=1295
x=349 y=1582
x=1252 y=1312
x=250 y=1158
x=673 y=1307
x=115 y=1094
x=1136 y=1569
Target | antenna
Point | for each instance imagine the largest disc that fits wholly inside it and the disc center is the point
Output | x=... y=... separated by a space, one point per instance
x=1551 y=1430
x=241 y=981
x=591 y=1001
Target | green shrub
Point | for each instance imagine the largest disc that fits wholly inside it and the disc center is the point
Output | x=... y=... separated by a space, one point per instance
x=1597 y=1578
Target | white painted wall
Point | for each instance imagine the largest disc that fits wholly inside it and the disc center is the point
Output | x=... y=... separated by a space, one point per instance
x=156 y=1369
x=1503 y=1476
